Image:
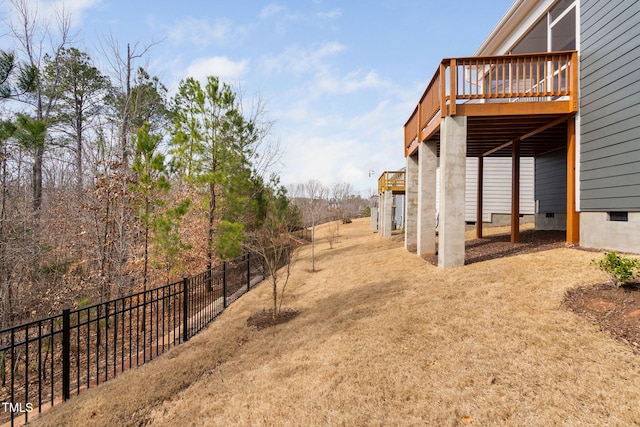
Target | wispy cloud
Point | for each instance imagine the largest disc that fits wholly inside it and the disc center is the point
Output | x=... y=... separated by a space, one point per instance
x=202 y=32
x=221 y=66
x=300 y=60
x=344 y=147
x=330 y=15
x=280 y=17
x=50 y=10
x=271 y=10
x=351 y=82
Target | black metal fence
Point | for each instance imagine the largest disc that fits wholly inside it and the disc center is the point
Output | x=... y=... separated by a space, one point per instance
x=44 y=362
x=303 y=234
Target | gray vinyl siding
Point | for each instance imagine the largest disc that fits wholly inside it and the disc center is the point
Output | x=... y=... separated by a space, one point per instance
x=610 y=105
x=551 y=182
x=496 y=187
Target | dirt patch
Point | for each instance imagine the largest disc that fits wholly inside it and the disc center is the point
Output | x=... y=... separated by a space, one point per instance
x=616 y=310
x=265 y=318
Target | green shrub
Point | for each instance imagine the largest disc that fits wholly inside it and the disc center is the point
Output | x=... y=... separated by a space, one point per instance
x=621 y=270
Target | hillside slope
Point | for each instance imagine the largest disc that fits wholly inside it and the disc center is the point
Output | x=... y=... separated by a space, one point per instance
x=385 y=338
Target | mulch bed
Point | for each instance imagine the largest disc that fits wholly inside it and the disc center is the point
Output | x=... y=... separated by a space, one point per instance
x=265 y=318
x=500 y=246
x=616 y=310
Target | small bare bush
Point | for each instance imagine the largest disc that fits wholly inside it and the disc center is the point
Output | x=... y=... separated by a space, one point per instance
x=331 y=233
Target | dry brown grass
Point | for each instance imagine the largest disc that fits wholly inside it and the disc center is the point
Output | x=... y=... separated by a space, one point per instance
x=384 y=338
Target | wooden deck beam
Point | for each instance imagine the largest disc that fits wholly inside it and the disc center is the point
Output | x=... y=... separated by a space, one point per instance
x=514 y=108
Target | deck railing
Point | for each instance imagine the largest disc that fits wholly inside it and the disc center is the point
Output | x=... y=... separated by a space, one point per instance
x=393 y=181
x=463 y=86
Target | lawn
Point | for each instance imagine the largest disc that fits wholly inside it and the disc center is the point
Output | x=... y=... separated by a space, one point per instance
x=385 y=338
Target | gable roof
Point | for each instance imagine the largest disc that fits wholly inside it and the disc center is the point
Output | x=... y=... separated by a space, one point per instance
x=516 y=21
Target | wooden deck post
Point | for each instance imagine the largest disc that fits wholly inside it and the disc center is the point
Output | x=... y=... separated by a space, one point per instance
x=479 y=198
x=453 y=86
x=515 y=191
x=443 y=90
x=573 y=217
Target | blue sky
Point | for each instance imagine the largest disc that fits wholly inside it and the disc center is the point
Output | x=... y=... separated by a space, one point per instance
x=339 y=78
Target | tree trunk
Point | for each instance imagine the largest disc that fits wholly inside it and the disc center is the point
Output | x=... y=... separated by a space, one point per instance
x=37 y=182
x=145 y=272
x=4 y=263
x=124 y=130
x=212 y=210
x=313 y=247
x=275 y=295
x=79 y=171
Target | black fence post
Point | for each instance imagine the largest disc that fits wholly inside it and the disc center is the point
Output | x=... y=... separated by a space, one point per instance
x=248 y=271
x=224 y=284
x=185 y=309
x=66 y=354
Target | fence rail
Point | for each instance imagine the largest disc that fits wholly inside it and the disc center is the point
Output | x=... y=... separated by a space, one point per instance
x=46 y=361
x=303 y=234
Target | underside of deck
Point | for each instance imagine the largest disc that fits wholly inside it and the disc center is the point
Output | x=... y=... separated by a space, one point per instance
x=511 y=106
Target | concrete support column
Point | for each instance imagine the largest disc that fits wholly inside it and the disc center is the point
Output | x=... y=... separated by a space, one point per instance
x=386 y=210
x=453 y=153
x=374 y=219
x=427 y=166
x=411 y=205
x=381 y=214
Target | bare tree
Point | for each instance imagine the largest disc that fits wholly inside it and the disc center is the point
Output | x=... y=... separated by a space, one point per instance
x=117 y=220
x=273 y=244
x=264 y=153
x=122 y=73
x=311 y=198
x=331 y=232
x=341 y=194
x=23 y=240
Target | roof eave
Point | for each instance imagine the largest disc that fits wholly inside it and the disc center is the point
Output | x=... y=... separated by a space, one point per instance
x=516 y=14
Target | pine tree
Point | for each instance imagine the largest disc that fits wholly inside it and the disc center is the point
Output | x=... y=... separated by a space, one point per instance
x=209 y=145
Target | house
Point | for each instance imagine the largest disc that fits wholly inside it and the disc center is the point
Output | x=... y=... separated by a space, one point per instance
x=558 y=81
x=389 y=214
x=496 y=201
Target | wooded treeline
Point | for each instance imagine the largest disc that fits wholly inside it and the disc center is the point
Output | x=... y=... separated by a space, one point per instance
x=108 y=184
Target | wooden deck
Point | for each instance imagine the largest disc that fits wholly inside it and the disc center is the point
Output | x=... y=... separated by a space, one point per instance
x=392 y=180
x=516 y=106
x=524 y=97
